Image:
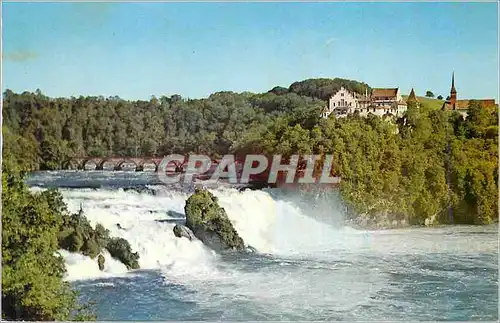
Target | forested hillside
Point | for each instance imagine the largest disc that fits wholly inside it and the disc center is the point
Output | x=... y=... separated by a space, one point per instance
x=420 y=168
x=45 y=131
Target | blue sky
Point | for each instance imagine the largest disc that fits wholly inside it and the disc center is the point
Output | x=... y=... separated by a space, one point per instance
x=135 y=50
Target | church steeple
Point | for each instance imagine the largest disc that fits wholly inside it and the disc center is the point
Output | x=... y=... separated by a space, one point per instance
x=453 y=92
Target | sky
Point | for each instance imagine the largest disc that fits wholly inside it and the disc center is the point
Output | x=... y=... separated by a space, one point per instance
x=136 y=50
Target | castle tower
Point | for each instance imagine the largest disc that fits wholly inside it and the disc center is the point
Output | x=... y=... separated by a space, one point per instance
x=412 y=98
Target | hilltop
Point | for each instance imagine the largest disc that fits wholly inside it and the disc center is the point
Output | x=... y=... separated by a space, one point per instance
x=321 y=88
x=432 y=103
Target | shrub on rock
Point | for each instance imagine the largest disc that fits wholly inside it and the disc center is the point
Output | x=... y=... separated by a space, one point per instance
x=210 y=223
x=120 y=249
x=77 y=235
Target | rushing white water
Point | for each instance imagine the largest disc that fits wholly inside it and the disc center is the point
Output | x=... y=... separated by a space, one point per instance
x=82 y=267
x=269 y=225
x=308 y=267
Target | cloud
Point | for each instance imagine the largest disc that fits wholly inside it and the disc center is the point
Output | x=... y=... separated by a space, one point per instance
x=20 y=56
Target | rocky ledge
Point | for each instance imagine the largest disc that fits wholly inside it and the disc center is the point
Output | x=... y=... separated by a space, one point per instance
x=208 y=222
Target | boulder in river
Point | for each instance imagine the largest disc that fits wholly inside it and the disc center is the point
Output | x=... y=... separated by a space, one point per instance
x=100 y=262
x=120 y=249
x=210 y=223
x=183 y=231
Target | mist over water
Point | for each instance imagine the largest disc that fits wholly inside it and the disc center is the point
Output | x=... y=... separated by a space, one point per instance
x=308 y=266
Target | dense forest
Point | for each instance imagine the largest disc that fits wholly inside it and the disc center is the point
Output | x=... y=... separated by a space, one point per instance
x=50 y=130
x=428 y=167
x=429 y=164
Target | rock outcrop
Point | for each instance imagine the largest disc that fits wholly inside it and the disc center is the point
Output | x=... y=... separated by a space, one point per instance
x=183 y=231
x=100 y=262
x=210 y=223
x=120 y=249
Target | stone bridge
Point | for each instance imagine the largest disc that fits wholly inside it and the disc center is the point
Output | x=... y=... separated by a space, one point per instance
x=118 y=162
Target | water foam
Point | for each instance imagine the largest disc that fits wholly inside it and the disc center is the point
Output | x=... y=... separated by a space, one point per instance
x=264 y=222
x=137 y=217
x=80 y=267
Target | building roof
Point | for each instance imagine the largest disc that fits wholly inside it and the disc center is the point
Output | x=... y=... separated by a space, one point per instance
x=453 y=90
x=361 y=97
x=380 y=92
x=464 y=104
x=412 y=97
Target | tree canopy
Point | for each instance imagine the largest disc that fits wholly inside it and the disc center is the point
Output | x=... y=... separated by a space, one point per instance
x=416 y=167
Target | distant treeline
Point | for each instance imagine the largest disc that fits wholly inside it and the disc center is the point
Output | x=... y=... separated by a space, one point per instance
x=421 y=167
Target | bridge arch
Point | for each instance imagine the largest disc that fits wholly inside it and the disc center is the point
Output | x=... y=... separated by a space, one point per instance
x=109 y=160
x=71 y=164
x=85 y=162
x=143 y=162
x=119 y=164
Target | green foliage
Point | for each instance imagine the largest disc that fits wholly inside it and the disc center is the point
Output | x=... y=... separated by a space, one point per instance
x=429 y=94
x=474 y=164
x=77 y=235
x=32 y=271
x=430 y=103
x=324 y=88
x=209 y=221
x=43 y=133
x=34 y=227
x=279 y=90
x=414 y=168
x=399 y=170
x=120 y=249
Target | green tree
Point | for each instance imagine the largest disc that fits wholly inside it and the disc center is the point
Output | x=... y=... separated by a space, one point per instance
x=32 y=272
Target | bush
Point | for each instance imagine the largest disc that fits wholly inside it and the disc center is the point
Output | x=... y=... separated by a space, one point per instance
x=120 y=249
x=32 y=273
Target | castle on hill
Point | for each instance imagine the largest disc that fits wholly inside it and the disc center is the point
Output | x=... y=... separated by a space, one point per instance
x=389 y=102
x=381 y=102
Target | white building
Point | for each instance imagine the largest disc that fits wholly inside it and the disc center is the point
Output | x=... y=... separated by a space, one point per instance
x=341 y=103
x=381 y=102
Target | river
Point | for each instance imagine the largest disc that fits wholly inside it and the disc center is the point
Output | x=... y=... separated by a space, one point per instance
x=308 y=266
